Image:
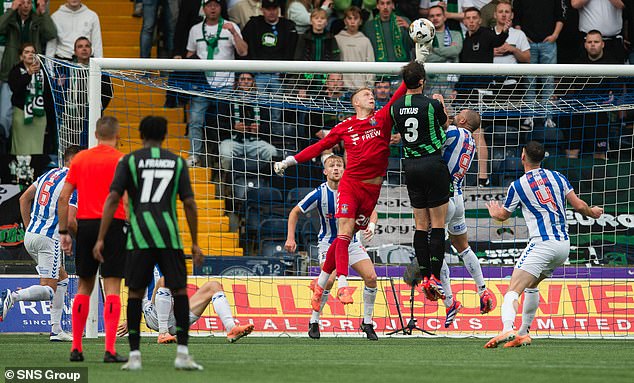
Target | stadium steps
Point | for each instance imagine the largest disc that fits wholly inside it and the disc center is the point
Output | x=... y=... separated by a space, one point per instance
x=132 y=102
x=137 y=114
x=130 y=128
x=140 y=96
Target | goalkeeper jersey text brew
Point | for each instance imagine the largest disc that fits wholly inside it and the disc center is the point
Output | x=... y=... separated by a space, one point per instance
x=419 y=120
x=153 y=177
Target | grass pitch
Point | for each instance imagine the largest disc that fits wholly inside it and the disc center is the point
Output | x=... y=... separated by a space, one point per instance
x=412 y=359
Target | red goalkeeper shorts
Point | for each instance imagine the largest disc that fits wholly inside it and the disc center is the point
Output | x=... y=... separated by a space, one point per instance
x=357 y=200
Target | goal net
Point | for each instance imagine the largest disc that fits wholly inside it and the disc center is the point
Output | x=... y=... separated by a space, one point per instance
x=259 y=112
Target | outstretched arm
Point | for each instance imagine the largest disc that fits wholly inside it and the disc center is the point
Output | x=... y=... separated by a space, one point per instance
x=582 y=207
x=310 y=152
x=293 y=217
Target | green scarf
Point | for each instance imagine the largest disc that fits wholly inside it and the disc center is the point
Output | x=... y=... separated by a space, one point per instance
x=34 y=100
x=397 y=40
x=212 y=42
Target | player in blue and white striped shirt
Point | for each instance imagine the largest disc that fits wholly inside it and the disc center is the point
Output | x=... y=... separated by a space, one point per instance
x=158 y=310
x=458 y=151
x=38 y=205
x=324 y=199
x=542 y=194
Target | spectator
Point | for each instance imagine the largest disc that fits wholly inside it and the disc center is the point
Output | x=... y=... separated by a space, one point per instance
x=316 y=45
x=477 y=4
x=628 y=17
x=188 y=16
x=340 y=6
x=299 y=12
x=568 y=47
x=606 y=17
x=382 y=92
x=480 y=42
x=75 y=115
x=4 y=135
x=355 y=46
x=250 y=130
x=487 y=13
x=542 y=22
x=31 y=95
x=516 y=48
x=588 y=132
x=332 y=93
x=73 y=20
x=389 y=34
x=169 y=16
x=244 y=10
x=271 y=37
x=446 y=48
x=212 y=39
x=138 y=8
x=478 y=47
x=20 y=24
x=407 y=8
x=453 y=12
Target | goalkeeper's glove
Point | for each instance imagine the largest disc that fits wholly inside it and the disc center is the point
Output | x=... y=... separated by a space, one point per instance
x=280 y=166
x=422 y=51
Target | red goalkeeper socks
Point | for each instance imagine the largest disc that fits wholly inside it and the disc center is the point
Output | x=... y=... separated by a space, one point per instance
x=111 y=315
x=81 y=305
x=341 y=252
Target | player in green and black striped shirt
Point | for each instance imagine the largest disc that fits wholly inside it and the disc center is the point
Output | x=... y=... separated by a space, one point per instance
x=420 y=120
x=153 y=177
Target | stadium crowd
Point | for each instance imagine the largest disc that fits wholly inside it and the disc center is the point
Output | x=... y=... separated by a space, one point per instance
x=471 y=31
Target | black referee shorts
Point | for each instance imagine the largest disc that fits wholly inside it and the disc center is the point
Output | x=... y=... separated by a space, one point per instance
x=114 y=252
x=428 y=181
x=140 y=268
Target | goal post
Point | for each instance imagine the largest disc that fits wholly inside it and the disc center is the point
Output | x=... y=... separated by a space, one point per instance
x=572 y=109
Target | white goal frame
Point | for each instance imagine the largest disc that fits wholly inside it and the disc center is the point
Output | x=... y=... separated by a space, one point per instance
x=97 y=65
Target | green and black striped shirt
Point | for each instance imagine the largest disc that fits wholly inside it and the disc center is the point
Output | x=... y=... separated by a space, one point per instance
x=419 y=119
x=152 y=177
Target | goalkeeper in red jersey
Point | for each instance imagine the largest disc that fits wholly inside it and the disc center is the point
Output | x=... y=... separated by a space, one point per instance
x=366 y=138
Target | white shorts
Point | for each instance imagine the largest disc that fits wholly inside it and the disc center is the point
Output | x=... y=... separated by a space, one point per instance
x=151 y=319
x=541 y=258
x=356 y=252
x=47 y=252
x=456 y=224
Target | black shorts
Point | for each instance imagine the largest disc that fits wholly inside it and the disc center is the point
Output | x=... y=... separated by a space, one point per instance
x=114 y=252
x=140 y=268
x=428 y=181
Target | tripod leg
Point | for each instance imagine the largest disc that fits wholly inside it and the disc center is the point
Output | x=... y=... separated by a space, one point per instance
x=398 y=310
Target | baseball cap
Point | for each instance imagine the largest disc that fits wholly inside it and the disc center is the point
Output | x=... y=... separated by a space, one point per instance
x=203 y=2
x=270 y=3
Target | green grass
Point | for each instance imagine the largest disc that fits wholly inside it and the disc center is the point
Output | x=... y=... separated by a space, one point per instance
x=343 y=360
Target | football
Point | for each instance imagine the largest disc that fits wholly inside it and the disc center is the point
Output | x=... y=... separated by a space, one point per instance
x=422 y=31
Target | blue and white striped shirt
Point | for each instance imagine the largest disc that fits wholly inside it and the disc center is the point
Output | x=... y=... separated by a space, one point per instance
x=542 y=195
x=458 y=151
x=48 y=187
x=324 y=199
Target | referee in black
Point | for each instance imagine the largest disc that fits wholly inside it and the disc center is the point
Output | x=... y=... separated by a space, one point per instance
x=153 y=177
x=420 y=120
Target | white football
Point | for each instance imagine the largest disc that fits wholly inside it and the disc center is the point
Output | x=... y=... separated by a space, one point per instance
x=422 y=31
